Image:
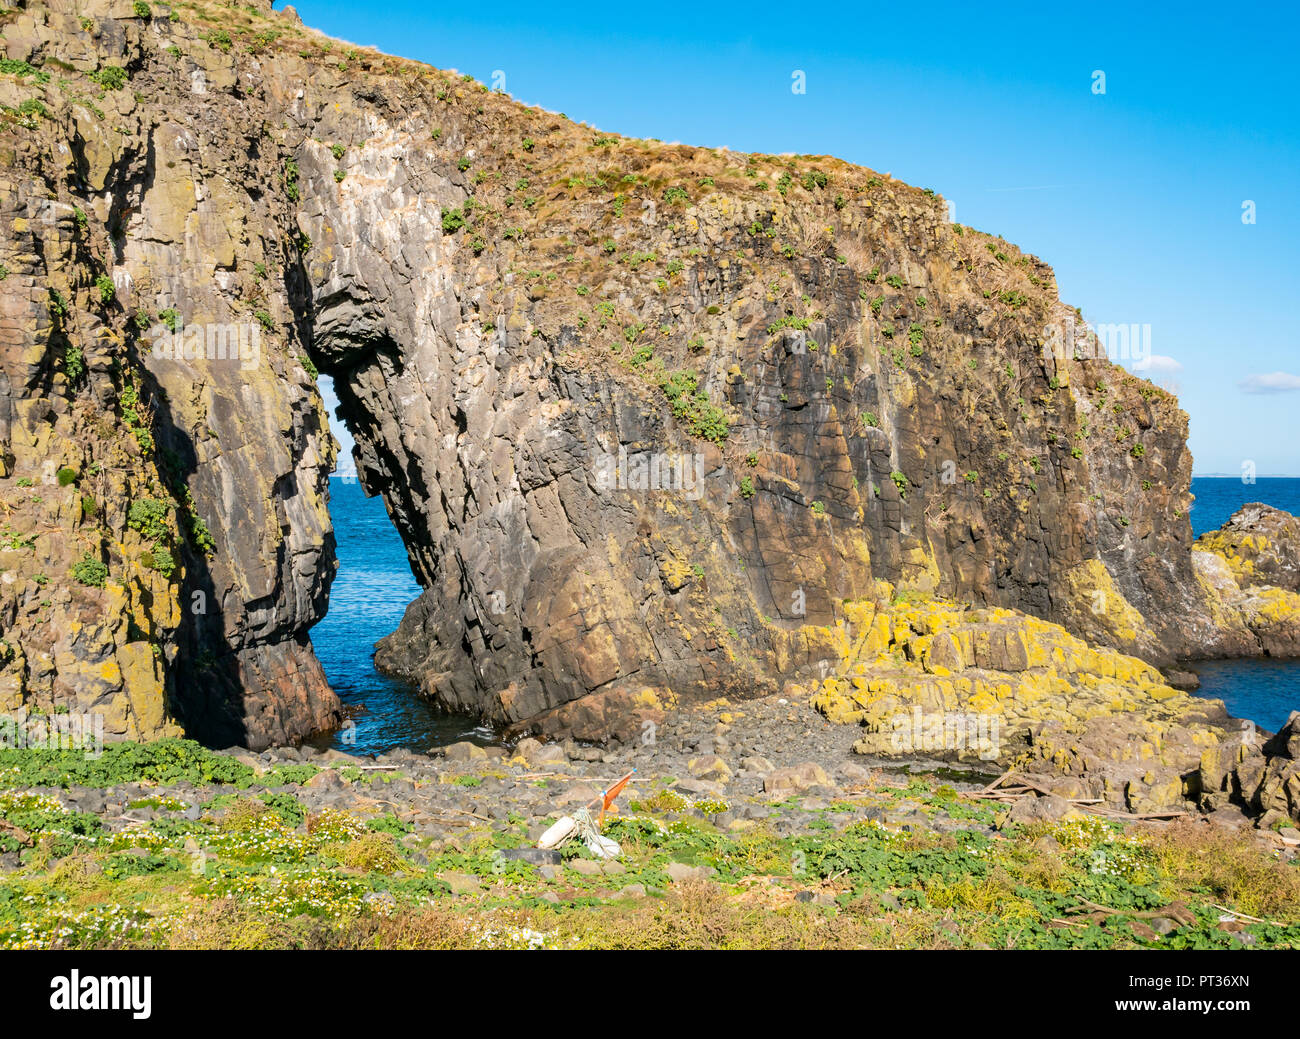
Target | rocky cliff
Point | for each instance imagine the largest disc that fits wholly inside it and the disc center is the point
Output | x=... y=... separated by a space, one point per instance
x=647 y=417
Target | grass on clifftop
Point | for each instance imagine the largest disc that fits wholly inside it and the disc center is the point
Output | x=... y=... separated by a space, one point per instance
x=258 y=869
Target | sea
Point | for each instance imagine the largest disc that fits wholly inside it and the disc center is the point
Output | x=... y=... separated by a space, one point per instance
x=374 y=585
x=371 y=591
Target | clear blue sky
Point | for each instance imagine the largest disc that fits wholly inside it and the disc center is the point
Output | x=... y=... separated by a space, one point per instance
x=1134 y=196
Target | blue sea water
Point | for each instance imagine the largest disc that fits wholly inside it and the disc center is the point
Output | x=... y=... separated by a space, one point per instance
x=370 y=593
x=374 y=586
x=1265 y=691
x=1217 y=498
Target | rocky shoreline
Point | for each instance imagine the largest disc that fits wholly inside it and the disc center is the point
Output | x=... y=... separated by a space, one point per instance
x=911 y=672
x=733 y=808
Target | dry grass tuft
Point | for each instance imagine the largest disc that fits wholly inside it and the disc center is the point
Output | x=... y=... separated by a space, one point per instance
x=1231 y=866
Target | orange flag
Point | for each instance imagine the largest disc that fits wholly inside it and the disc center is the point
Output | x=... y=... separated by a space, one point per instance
x=615 y=790
x=610 y=794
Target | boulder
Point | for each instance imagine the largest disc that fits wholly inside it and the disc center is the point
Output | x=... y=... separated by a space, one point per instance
x=710 y=767
x=461 y=883
x=540 y=755
x=680 y=872
x=855 y=773
x=1286 y=743
x=783 y=782
x=1048 y=809
x=464 y=751
x=700 y=788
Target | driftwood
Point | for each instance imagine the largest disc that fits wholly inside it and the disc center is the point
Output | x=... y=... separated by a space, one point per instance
x=1176 y=911
x=1240 y=915
x=1010 y=787
x=1114 y=814
x=464 y=811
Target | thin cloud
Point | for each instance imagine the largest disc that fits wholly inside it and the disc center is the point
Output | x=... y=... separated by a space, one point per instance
x=1158 y=364
x=1273 y=382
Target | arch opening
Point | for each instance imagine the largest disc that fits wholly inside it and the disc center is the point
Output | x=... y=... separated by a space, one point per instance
x=370 y=592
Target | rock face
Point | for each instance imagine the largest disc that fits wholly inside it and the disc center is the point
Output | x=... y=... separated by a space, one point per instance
x=646 y=416
x=1261 y=778
x=1261 y=546
x=157 y=429
x=1249 y=570
x=1135 y=764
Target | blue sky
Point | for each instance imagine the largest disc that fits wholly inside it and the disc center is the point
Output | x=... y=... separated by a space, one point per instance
x=1135 y=196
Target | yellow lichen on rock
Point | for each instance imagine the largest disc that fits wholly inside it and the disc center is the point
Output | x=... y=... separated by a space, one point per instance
x=1096 y=601
x=1261 y=614
x=674 y=570
x=1238 y=552
x=917 y=651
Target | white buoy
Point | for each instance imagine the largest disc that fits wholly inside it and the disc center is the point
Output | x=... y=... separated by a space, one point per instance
x=562 y=829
